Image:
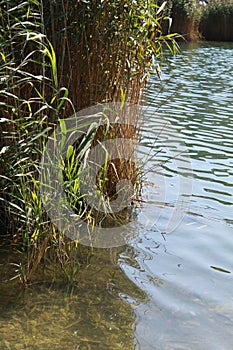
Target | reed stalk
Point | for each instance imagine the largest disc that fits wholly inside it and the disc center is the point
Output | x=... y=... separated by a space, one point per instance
x=58 y=57
x=216 y=21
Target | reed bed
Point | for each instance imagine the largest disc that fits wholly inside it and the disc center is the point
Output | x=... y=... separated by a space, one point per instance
x=194 y=19
x=56 y=59
x=216 y=21
x=185 y=15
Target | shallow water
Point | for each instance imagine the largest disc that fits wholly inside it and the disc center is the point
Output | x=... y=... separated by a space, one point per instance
x=171 y=288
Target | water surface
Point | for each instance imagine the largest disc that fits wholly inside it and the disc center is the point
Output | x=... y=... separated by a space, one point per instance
x=189 y=276
x=171 y=288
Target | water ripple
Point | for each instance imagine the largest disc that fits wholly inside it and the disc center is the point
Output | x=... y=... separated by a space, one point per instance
x=197 y=100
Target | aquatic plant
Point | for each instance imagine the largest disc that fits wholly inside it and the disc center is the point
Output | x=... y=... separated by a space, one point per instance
x=216 y=21
x=56 y=58
x=185 y=16
x=105 y=48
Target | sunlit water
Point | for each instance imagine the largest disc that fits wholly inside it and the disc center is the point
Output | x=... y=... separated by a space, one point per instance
x=171 y=288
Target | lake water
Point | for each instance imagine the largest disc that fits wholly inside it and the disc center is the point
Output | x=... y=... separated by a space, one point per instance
x=171 y=288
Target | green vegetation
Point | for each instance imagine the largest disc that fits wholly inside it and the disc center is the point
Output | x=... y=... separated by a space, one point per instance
x=195 y=19
x=57 y=58
x=107 y=44
x=216 y=21
x=185 y=16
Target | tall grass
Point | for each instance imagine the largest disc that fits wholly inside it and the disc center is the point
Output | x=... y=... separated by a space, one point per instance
x=216 y=21
x=185 y=16
x=30 y=104
x=104 y=48
x=57 y=58
x=195 y=20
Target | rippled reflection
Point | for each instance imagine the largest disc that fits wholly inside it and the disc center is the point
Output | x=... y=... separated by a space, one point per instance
x=197 y=99
x=191 y=303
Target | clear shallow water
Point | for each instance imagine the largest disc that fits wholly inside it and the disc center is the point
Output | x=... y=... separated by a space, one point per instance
x=170 y=291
